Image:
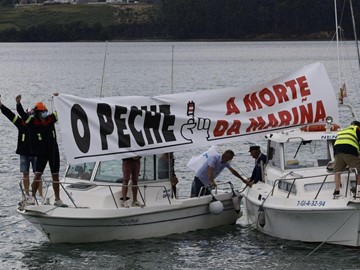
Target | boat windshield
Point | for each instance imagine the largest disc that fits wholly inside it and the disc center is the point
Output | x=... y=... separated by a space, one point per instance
x=111 y=170
x=81 y=171
x=151 y=168
x=306 y=154
x=300 y=154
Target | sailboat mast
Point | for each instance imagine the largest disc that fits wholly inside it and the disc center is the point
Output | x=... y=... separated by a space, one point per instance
x=337 y=42
x=354 y=28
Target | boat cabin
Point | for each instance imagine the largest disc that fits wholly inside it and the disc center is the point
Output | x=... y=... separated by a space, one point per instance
x=295 y=155
x=152 y=168
x=104 y=180
x=296 y=149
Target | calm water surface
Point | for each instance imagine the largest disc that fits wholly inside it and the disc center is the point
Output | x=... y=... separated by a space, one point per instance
x=144 y=68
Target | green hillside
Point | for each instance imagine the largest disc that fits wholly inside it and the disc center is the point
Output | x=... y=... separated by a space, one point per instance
x=177 y=20
x=55 y=22
x=28 y=16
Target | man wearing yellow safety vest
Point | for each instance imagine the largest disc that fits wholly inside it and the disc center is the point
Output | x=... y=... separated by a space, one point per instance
x=346 y=151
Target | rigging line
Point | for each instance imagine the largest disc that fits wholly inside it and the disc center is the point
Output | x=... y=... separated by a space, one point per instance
x=13 y=223
x=326 y=52
x=172 y=69
x=24 y=219
x=346 y=56
x=332 y=233
x=354 y=29
x=243 y=172
x=337 y=40
x=8 y=206
x=346 y=59
x=103 y=72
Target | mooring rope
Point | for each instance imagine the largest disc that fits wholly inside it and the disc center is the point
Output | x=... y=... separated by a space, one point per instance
x=332 y=234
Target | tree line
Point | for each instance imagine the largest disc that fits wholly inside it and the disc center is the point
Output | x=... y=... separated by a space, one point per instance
x=204 y=19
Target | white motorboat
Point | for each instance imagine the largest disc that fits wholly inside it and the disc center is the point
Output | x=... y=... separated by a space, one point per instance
x=92 y=192
x=296 y=199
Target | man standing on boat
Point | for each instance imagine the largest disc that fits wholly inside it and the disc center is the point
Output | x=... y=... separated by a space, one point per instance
x=346 y=151
x=43 y=144
x=130 y=169
x=212 y=167
x=260 y=161
x=22 y=149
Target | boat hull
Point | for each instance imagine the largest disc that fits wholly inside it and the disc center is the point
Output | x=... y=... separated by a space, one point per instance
x=80 y=225
x=335 y=225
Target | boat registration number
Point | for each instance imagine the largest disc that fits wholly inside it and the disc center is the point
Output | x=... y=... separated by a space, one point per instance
x=311 y=203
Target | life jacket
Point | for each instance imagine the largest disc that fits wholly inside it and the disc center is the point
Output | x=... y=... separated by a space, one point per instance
x=348 y=136
x=42 y=134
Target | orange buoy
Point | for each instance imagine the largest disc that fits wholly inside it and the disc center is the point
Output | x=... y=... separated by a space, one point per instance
x=321 y=127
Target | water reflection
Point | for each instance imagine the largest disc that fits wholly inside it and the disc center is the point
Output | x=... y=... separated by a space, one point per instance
x=226 y=247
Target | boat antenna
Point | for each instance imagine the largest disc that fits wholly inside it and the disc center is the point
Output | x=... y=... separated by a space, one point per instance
x=172 y=69
x=354 y=29
x=103 y=72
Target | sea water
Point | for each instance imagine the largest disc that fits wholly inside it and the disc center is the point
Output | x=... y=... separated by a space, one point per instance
x=36 y=70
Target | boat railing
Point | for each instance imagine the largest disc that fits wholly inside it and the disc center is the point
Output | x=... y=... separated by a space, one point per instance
x=144 y=187
x=292 y=180
x=110 y=186
x=207 y=190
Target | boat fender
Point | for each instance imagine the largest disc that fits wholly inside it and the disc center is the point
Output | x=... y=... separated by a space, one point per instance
x=261 y=217
x=216 y=207
x=236 y=202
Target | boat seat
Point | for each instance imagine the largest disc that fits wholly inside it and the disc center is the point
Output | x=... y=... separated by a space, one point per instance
x=292 y=164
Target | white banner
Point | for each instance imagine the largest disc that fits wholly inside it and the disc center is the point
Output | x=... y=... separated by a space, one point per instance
x=117 y=127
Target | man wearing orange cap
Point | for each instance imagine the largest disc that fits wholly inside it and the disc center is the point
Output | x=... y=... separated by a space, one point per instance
x=43 y=145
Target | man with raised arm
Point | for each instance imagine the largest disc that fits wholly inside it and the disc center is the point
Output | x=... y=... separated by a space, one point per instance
x=44 y=145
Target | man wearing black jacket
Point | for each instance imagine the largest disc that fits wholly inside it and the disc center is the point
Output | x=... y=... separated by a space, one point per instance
x=22 y=149
x=43 y=143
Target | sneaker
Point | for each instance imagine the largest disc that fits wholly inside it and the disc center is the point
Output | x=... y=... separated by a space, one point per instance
x=59 y=203
x=336 y=194
x=124 y=204
x=137 y=204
